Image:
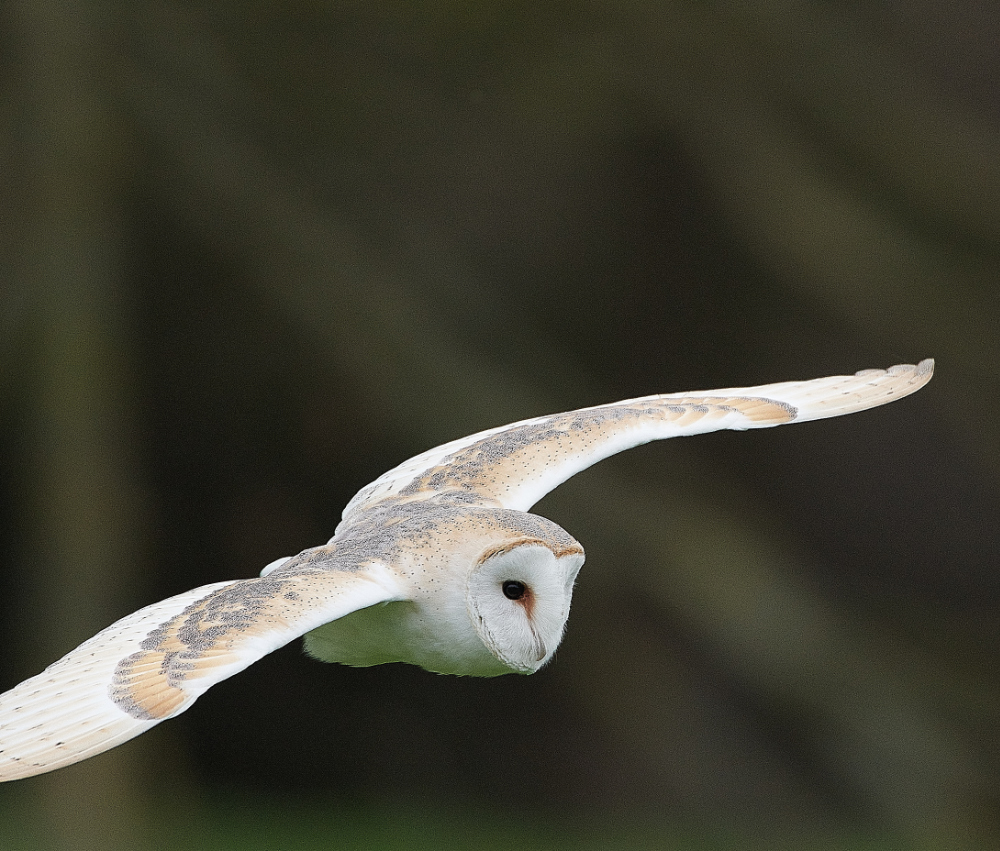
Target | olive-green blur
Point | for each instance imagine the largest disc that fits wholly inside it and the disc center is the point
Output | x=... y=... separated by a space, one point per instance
x=253 y=254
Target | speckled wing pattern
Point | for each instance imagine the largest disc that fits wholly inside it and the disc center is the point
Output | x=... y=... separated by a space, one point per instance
x=154 y=663
x=516 y=465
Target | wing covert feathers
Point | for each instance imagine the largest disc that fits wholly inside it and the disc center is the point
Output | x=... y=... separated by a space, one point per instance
x=154 y=663
x=516 y=465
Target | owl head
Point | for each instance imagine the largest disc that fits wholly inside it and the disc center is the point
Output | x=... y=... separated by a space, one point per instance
x=518 y=598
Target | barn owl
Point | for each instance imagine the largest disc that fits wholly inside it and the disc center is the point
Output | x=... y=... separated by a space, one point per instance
x=436 y=563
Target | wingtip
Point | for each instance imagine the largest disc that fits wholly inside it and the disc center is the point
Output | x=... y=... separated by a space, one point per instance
x=924 y=370
x=920 y=374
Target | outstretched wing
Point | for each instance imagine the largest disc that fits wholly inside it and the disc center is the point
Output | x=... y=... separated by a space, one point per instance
x=156 y=662
x=516 y=465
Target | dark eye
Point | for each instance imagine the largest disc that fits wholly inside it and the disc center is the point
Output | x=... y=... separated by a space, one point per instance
x=513 y=590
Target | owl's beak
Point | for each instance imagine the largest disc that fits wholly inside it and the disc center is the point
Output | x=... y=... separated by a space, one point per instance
x=540 y=650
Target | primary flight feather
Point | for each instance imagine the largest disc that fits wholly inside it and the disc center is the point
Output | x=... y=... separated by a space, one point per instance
x=436 y=563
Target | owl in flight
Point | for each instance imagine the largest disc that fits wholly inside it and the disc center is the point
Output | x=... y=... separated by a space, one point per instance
x=437 y=563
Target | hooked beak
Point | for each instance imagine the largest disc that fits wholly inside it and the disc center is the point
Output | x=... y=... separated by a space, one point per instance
x=539 y=646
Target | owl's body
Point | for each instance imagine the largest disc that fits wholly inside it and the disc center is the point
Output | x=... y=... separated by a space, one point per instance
x=436 y=563
x=431 y=546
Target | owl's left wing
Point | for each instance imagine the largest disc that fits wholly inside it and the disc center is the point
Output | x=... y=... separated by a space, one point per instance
x=154 y=663
x=516 y=465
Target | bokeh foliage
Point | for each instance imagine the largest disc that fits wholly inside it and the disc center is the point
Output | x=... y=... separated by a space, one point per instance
x=255 y=254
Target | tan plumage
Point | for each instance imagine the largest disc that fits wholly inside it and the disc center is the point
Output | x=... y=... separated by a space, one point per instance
x=435 y=563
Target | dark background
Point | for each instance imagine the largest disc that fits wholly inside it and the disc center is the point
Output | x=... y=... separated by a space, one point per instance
x=254 y=254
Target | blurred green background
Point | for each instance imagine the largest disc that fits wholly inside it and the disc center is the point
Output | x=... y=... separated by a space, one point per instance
x=254 y=254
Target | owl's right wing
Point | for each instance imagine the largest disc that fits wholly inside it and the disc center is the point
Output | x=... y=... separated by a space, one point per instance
x=516 y=465
x=154 y=663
